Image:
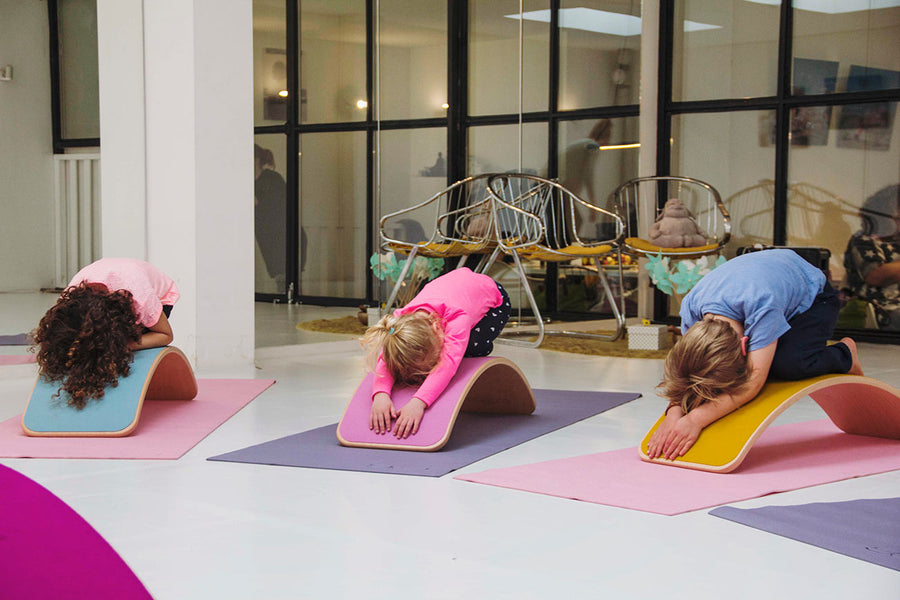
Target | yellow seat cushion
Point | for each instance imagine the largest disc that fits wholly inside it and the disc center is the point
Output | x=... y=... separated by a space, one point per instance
x=643 y=245
x=566 y=253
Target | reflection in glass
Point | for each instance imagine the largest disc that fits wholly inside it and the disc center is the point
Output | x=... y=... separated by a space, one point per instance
x=842 y=196
x=413 y=168
x=597 y=155
x=332 y=61
x=714 y=148
x=872 y=259
x=867 y=42
x=600 y=43
x=495 y=148
x=724 y=49
x=269 y=214
x=269 y=63
x=79 y=87
x=413 y=59
x=494 y=56
x=333 y=260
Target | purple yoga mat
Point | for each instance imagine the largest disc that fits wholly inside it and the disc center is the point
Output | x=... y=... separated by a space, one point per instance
x=48 y=551
x=19 y=339
x=865 y=529
x=475 y=436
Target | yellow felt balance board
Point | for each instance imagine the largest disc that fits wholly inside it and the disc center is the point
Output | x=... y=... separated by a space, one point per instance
x=485 y=385
x=156 y=374
x=856 y=404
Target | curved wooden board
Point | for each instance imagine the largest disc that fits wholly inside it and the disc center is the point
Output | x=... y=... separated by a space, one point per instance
x=487 y=385
x=856 y=404
x=156 y=374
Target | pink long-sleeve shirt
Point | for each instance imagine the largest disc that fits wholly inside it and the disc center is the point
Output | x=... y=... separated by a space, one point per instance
x=150 y=287
x=460 y=298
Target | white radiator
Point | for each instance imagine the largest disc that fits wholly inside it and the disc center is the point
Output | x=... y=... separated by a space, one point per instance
x=76 y=179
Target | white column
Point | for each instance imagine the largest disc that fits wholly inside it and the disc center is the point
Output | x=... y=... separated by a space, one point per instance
x=197 y=84
x=648 y=125
x=120 y=50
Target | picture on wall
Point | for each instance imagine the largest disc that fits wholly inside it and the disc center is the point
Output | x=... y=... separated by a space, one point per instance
x=868 y=126
x=809 y=124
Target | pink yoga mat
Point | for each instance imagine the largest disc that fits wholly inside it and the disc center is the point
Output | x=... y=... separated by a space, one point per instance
x=787 y=457
x=48 y=551
x=167 y=428
x=17 y=359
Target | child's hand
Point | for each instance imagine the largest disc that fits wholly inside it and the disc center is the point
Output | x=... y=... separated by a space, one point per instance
x=409 y=418
x=674 y=437
x=381 y=414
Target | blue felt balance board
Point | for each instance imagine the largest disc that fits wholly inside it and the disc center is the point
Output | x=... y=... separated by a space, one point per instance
x=156 y=374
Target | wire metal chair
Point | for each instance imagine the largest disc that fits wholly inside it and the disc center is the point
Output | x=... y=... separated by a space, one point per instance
x=633 y=198
x=535 y=219
x=454 y=223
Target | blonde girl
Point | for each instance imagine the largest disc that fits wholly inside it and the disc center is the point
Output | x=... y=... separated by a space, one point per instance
x=455 y=315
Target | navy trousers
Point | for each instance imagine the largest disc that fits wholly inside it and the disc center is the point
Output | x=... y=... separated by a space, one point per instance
x=482 y=336
x=803 y=352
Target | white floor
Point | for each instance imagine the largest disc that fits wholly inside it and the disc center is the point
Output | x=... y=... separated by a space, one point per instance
x=197 y=529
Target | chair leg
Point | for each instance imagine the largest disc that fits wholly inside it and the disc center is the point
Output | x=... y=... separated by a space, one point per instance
x=534 y=307
x=618 y=313
x=409 y=261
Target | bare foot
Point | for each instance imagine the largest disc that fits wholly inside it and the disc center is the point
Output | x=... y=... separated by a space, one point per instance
x=856 y=367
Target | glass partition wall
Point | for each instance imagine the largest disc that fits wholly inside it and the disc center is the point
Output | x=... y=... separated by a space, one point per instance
x=788 y=109
x=386 y=102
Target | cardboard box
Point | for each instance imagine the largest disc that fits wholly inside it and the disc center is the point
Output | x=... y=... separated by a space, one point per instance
x=647 y=337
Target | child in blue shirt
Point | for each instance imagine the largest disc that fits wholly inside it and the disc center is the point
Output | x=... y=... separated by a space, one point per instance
x=761 y=314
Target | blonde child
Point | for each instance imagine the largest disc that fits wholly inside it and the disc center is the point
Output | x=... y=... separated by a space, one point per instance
x=111 y=308
x=455 y=315
x=760 y=315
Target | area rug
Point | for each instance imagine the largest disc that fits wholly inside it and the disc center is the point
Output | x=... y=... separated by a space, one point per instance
x=48 y=551
x=786 y=457
x=474 y=437
x=865 y=529
x=351 y=325
x=167 y=428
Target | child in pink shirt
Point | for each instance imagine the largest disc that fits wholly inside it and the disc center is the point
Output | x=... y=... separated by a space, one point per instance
x=455 y=315
x=111 y=308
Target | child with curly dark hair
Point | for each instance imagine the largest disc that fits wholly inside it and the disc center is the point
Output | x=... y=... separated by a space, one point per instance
x=111 y=308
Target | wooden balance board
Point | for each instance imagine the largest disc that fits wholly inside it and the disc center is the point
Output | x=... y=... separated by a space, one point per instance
x=156 y=374
x=856 y=404
x=485 y=385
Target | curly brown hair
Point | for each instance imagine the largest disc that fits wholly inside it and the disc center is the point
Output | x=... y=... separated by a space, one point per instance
x=703 y=365
x=84 y=341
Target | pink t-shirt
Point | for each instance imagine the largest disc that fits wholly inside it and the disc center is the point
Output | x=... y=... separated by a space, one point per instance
x=460 y=298
x=150 y=287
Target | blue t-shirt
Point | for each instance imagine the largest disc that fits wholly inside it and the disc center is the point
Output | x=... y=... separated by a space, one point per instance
x=763 y=290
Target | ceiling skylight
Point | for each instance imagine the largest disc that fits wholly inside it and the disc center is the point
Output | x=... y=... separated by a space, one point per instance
x=600 y=21
x=834 y=7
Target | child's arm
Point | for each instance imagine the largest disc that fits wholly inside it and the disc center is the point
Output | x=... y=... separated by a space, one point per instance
x=157 y=336
x=382 y=412
x=679 y=431
x=456 y=338
x=382 y=406
x=409 y=418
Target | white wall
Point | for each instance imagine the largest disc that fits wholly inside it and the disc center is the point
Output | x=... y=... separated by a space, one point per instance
x=26 y=163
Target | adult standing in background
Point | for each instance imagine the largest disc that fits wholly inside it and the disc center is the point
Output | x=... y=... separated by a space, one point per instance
x=576 y=173
x=270 y=214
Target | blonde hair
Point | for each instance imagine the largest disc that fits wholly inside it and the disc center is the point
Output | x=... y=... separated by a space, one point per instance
x=703 y=365
x=410 y=345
